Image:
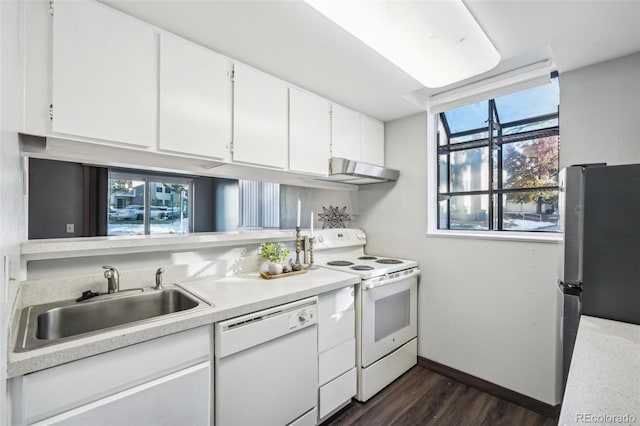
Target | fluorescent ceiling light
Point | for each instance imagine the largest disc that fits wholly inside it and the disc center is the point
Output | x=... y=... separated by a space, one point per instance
x=437 y=42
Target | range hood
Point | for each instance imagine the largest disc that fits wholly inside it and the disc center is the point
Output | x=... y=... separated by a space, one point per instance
x=358 y=173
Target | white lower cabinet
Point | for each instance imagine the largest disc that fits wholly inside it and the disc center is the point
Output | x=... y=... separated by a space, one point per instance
x=337 y=377
x=179 y=398
x=165 y=381
x=336 y=361
x=337 y=393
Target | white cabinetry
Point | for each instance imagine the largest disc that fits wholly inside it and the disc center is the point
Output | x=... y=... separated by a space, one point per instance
x=371 y=141
x=148 y=404
x=355 y=136
x=345 y=133
x=104 y=74
x=195 y=99
x=260 y=113
x=165 y=381
x=309 y=133
x=140 y=94
x=336 y=350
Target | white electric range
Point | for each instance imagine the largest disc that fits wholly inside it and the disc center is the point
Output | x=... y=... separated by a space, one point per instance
x=386 y=306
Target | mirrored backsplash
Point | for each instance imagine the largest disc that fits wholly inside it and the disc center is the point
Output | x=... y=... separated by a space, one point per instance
x=69 y=200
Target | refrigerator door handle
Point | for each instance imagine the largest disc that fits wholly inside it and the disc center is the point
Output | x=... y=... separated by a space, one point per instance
x=569 y=289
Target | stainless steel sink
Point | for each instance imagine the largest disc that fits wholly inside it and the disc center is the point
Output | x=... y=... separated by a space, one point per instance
x=51 y=323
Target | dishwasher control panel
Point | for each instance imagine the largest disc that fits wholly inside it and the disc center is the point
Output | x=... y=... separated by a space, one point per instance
x=251 y=330
x=302 y=317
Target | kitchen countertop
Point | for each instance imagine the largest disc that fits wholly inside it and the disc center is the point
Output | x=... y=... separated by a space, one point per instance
x=604 y=379
x=229 y=297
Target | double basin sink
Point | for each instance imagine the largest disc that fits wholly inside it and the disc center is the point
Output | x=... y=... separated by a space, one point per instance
x=58 y=322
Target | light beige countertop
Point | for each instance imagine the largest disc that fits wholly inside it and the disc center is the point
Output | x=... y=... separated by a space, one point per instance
x=229 y=297
x=604 y=379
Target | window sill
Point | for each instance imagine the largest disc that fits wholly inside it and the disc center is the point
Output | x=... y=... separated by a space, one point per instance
x=529 y=237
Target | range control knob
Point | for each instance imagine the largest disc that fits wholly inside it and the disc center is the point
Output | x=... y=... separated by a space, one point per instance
x=302 y=316
x=319 y=238
x=361 y=236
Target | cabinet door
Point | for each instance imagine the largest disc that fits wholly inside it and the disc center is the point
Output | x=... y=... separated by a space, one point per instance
x=336 y=318
x=372 y=141
x=345 y=133
x=195 y=99
x=260 y=113
x=104 y=74
x=309 y=133
x=48 y=392
x=337 y=392
x=182 y=398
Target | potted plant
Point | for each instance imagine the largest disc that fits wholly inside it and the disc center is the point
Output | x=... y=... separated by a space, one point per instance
x=275 y=253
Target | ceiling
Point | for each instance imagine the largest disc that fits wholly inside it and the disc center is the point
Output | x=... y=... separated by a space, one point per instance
x=292 y=41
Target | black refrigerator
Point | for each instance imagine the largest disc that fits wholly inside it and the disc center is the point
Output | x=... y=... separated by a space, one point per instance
x=599 y=272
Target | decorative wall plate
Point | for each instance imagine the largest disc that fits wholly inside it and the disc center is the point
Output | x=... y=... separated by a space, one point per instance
x=333 y=217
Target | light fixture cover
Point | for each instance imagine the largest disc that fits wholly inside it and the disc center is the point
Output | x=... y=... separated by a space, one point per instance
x=436 y=42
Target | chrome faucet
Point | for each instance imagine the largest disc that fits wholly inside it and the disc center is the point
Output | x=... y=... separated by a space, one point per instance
x=159 y=273
x=113 y=279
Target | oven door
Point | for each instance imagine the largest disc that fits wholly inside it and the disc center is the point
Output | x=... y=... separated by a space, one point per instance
x=389 y=317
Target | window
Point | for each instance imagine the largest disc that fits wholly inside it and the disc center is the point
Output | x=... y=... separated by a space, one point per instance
x=498 y=163
x=147 y=204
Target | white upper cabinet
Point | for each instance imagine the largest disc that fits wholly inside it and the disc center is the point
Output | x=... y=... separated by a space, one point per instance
x=195 y=99
x=309 y=133
x=371 y=141
x=104 y=74
x=260 y=118
x=355 y=136
x=345 y=133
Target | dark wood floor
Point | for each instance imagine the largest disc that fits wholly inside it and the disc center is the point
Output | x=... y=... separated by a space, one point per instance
x=422 y=397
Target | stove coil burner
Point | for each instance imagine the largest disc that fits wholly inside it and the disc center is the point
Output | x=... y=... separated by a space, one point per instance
x=367 y=258
x=362 y=268
x=339 y=263
x=389 y=261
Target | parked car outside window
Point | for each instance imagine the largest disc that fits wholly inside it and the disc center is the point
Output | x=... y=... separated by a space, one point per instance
x=136 y=212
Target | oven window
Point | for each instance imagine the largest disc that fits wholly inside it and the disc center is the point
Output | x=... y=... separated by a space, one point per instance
x=392 y=314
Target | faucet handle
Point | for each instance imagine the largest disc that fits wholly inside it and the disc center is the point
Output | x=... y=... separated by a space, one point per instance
x=159 y=273
x=109 y=268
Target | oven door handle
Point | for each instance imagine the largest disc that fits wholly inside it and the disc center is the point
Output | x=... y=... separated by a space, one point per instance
x=368 y=285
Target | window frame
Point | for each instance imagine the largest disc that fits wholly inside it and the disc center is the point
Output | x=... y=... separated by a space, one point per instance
x=433 y=177
x=121 y=174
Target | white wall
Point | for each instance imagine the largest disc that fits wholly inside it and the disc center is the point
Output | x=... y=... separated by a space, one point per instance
x=600 y=113
x=487 y=308
x=11 y=201
x=490 y=308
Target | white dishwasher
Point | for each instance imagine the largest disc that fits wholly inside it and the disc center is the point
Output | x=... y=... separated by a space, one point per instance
x=266 y=367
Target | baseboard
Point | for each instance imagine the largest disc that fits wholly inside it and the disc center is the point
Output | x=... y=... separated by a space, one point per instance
x=542 y=408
